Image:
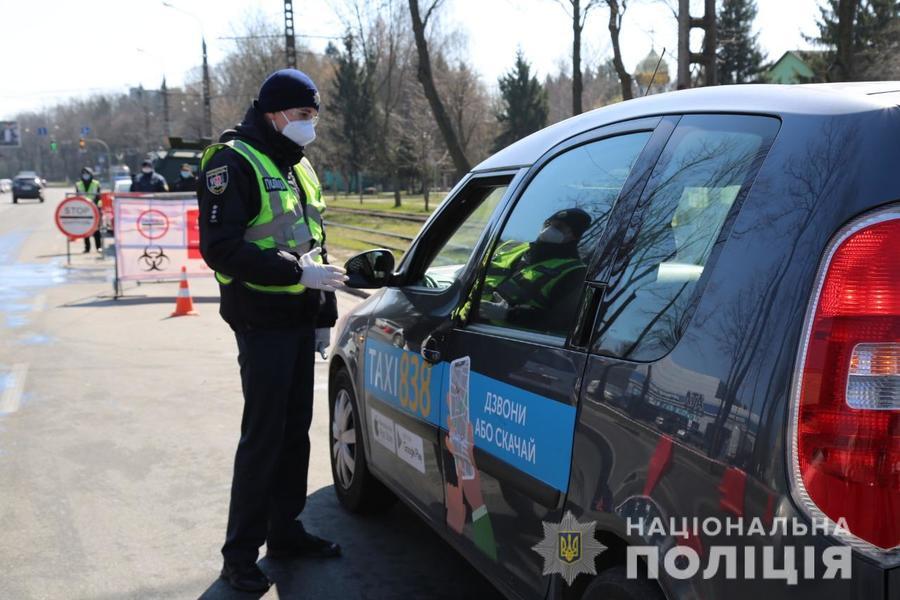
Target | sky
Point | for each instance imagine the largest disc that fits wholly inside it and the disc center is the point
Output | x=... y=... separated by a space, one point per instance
x=62 y=49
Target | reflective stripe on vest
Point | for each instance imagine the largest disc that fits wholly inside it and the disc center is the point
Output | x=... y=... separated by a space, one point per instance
x=280 y=223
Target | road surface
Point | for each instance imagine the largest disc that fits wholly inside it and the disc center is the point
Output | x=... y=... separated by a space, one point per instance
x=117 y=434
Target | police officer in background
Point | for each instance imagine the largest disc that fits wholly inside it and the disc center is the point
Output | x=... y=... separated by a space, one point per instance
x=88 y=187
x=187 y=181
x=277 y=294
x=148 y=180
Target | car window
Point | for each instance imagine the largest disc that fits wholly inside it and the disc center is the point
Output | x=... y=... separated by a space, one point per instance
x=706 y=164
x=451 y=256
x=535 y=274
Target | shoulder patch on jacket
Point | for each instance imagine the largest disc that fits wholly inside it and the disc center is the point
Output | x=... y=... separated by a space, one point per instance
x=274 y=184
x=217 y=180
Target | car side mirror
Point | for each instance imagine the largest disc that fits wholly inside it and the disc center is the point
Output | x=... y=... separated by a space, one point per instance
x=370 y=269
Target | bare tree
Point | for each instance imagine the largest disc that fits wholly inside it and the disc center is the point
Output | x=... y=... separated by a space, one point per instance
x=616 y=12
x=578 y=12
x=426 y=78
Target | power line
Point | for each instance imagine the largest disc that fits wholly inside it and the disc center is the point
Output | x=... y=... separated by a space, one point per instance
x=278 y=36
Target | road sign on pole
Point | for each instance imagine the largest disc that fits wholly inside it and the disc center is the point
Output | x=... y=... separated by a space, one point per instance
x=85 y=130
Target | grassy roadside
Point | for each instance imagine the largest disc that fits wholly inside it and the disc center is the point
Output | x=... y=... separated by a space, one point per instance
x=413 y=204
x=343 y=243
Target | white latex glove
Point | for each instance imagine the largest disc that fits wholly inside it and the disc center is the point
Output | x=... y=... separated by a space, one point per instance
x=319 y=276
x=323 y=340
x=494 y=311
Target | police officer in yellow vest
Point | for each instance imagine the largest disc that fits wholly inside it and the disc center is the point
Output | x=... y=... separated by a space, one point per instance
x=261 y=231
x=88 y=187
x=535 y=285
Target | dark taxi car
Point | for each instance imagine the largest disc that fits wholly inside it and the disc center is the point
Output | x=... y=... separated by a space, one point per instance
x=707 y=376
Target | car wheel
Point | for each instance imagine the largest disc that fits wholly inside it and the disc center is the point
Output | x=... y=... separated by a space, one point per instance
x=613 y=584
x=356 y=487
x=15 y=200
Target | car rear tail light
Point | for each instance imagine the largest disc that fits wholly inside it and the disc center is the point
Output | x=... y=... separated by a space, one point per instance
x=846 y=403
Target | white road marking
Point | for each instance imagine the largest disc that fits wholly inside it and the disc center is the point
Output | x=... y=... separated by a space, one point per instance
x=12 y=395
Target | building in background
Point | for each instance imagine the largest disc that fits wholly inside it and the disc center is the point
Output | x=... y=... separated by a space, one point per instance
x=797 y=66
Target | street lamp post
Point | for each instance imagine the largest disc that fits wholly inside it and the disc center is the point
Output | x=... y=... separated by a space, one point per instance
x=207 y=109
x=109 y=156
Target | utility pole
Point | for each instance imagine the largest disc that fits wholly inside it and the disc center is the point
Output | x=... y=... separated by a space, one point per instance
x=165 y=104
x=290 y=50
x=207 y=110
x=685 y=57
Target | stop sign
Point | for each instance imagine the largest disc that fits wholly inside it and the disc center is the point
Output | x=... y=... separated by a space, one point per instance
x=77 y=217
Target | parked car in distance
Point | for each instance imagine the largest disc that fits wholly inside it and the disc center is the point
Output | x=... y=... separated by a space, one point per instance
x=675 y=310
x=28 y=184
x=122 y=184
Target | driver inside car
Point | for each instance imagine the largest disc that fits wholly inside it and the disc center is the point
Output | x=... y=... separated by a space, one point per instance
x=530 y=284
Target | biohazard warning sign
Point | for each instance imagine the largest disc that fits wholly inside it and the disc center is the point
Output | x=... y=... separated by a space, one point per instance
x=157 y=234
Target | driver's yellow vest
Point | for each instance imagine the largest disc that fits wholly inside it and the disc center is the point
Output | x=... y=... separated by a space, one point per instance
x=529 y=285
x=281 y=223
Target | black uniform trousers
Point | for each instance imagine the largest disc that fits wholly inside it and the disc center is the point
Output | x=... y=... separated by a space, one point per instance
x=97 y=242
x=268 y=490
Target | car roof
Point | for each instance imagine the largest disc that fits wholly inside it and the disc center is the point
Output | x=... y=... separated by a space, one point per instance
x=823 y=99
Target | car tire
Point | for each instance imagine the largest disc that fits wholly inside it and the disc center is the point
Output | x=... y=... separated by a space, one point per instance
x=357 y=489
x=613 y=584
x=15 y=200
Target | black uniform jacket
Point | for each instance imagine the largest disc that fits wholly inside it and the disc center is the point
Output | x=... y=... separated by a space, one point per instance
x=229 y=200
x=148 y=182
x=185 y=184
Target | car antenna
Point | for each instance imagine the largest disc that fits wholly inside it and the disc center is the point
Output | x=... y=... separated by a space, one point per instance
x=655 y=71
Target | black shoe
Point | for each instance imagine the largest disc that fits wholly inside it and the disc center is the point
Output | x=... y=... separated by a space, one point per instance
x=305 y=545
x=245 y=577
x=86 y=250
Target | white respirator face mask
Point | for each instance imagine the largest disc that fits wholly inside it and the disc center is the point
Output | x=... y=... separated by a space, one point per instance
x=551 y=235
x=146 y=170
x=301 y=133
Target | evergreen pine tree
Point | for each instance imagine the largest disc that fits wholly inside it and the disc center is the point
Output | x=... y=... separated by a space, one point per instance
x=739 y=56
x=523 y=104
x=354 y=103
x=872 y=29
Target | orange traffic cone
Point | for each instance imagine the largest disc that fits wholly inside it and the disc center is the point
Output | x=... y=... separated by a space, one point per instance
x=183 y=303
